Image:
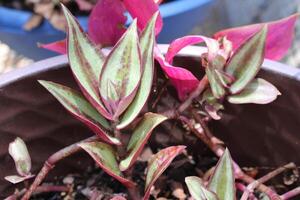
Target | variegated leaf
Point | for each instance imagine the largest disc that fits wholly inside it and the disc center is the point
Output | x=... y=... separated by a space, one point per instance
x=215 y=85
x=222 y=181
x=18 y=151
x=246 y=61
x=14 y=179
x=76 y=104
x=158 y=164
x=86 y=62
x=197 y=190
x=121 y=73
x=259 y=91
x=139 y=138
x=147 y=42
x=105 y=157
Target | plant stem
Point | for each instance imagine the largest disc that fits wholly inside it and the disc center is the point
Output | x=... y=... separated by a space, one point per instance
x=50 y=164
x=174 y=113
x=201 y=86
x=160 y=93
x=291 y=194
x=215 y=145
x=133 y=192
x=250 y=188
x=243 y=188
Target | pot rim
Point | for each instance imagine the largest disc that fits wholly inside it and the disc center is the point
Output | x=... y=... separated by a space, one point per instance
x=192 y=51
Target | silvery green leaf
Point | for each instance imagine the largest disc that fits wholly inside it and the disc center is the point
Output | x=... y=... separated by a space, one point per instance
x=18 y=151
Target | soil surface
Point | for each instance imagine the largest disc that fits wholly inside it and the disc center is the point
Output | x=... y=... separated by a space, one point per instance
x=94 y=182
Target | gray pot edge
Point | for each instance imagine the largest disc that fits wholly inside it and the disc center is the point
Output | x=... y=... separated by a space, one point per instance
x=194 y=51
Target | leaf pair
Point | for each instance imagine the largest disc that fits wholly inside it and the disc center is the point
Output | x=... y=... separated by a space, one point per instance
x=106 y=156
x=106 y=82
x=243 y=67
x=115 y=87
x=221 y=185
x=18 y=151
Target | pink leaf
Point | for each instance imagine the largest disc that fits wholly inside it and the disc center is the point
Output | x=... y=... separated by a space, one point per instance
x=143 y=10
x=182 y=79
x=279 y=38
x=107 y=22
x=58 y=46
x=180 y=43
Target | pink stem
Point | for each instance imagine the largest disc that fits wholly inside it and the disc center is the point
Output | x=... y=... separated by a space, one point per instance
x=291 y=194
x=50 y=164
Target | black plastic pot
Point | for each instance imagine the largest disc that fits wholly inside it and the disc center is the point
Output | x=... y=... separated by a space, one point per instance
x=257 y=135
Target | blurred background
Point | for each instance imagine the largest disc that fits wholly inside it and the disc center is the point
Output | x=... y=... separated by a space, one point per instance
x=23 y=23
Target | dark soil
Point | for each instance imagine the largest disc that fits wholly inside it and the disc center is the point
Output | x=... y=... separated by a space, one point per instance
x=93 y=181
x=170 y=185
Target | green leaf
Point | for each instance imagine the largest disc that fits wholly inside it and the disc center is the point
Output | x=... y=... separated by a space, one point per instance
x=79 y=107
x=158 y=164
x=121 y=73
x=139 y=138
x=147 y=42
x=86 y=62
x=222 y=181
x=224 y=78
x=105 y=157
x=247 y=60
x=197 y=190
x=214 y=82
x=18 y=151
x=259 y=91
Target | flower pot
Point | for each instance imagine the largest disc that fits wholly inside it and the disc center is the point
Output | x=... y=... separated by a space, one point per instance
x=180 y=17
x=265 y=135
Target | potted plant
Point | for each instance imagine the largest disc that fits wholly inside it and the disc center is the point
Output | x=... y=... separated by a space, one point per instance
x=111 y=108
x=19 y=24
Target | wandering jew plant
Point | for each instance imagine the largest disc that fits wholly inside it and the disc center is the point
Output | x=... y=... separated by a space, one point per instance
x=114 y=89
